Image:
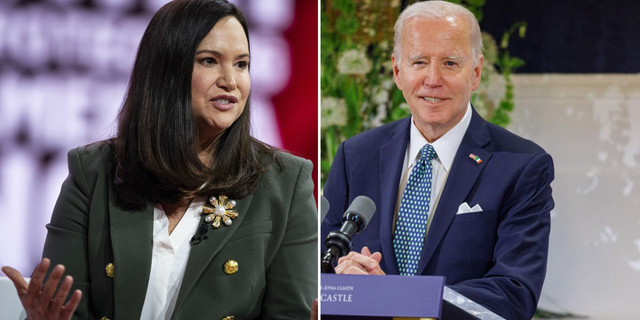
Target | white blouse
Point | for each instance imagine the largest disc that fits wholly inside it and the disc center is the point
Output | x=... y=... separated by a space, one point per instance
x=169 y=260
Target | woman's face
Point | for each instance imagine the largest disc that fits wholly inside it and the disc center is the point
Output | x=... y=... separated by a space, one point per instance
x=220 y=83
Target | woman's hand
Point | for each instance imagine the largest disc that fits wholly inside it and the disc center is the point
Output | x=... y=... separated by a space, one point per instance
x=39 y=301
x=314 y=310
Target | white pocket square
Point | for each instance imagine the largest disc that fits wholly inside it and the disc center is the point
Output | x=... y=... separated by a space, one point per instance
x=464 y=208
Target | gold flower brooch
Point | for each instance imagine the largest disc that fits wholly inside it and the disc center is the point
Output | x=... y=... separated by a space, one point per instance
x=219 y=211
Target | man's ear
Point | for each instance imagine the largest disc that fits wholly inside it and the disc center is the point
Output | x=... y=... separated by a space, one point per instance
x=396 y=71
x=477 y=73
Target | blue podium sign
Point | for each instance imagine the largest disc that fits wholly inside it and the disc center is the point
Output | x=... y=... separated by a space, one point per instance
x=381 y=296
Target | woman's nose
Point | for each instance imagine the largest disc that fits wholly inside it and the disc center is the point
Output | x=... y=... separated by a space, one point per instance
x=226 y=79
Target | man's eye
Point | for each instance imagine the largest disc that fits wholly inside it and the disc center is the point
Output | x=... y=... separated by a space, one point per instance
x=450 y=64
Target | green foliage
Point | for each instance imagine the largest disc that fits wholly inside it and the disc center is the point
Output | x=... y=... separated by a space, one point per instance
x=507 y=65
x=356 y=39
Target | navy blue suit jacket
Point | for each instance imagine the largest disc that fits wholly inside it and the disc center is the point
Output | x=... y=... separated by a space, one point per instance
x=496 y=257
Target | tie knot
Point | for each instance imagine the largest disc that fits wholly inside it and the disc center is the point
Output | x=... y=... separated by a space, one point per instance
x=428 y=153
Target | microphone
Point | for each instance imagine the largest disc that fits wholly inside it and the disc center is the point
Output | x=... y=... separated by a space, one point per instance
x=324 y=208
x=355 y=219
x=201 y=234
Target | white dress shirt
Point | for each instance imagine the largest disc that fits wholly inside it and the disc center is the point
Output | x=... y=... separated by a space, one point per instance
x=169 y=260
x=446 y=147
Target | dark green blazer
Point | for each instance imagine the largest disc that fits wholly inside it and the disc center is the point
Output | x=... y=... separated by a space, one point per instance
x=273 y=240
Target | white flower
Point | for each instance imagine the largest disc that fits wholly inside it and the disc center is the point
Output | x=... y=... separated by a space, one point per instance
x=388 y=84
x=381 y=95
x=354 y=62
x=490 y=49
x=333 y=112
x=364 y=106
x=388 y=65
x=381 y=114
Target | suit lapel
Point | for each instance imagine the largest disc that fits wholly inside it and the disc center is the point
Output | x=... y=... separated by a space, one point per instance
x=392 y=154
x=202 y=253
x=463 y=176
x=132 y=240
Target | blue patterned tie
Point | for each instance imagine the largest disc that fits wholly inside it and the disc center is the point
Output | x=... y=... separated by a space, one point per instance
x=413 y=214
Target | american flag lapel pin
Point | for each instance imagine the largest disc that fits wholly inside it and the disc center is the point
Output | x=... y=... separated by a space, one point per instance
x=475 y=158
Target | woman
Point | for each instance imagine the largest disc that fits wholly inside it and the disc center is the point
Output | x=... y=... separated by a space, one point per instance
x=183 y=215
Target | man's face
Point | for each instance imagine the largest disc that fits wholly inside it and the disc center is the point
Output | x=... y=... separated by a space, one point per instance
x=436 y=72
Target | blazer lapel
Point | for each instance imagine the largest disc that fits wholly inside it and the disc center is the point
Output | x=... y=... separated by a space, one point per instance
x=463 y=175
x=202 y=253
x=132 y=240
x=392 y=154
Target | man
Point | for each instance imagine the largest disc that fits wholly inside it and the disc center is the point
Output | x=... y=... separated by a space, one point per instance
x=456 y=196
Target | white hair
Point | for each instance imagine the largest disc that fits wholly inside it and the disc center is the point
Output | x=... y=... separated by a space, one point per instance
x=436 y=9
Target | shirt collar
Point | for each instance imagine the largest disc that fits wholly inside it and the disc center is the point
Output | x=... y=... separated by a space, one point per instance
x=446 y=146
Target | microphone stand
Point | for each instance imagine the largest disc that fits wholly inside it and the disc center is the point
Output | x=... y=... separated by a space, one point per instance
x=338 y=243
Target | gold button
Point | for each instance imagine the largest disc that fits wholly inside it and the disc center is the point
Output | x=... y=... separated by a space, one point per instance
x=110 y=270
x=104 y=318
x=229 y=317
x=230 y=267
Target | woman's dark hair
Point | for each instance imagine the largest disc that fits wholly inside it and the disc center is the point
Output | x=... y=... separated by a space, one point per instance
x=155 y=148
